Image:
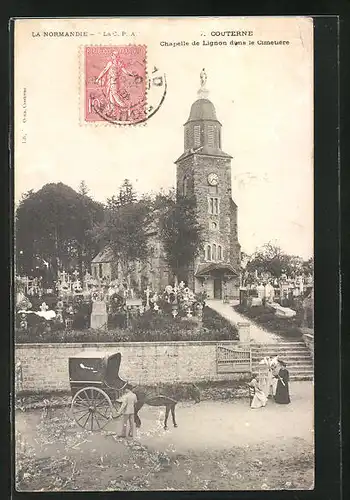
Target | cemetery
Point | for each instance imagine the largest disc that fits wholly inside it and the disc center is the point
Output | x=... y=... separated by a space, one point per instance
x=284 y=306
x=90 y=309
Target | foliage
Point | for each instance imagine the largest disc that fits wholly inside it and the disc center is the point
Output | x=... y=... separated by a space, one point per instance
x=265 y=317
x=150 y=327
x=272 y=260
x=125 y=228
x=180 y=231
x=125 y=196
x=308 y=267
x=52 y=229
x=83 y=189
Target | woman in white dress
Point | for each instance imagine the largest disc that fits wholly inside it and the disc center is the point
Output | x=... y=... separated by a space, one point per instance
x=258 y=398
x=266 y=378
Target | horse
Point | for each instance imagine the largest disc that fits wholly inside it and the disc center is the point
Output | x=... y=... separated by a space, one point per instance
x=168 y=398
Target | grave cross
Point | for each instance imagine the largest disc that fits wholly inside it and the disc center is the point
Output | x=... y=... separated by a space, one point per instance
x=147 y=292
x=76 y=274
x=63 y=276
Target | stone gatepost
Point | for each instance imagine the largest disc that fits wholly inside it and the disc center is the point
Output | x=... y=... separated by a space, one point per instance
x=244 y=332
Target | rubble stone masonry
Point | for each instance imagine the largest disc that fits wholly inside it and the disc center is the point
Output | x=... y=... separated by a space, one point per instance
x=44 y=367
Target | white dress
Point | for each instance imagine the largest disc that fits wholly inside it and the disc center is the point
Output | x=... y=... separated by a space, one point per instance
x=259 y=398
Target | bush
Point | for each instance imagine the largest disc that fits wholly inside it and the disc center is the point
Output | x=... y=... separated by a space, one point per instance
x=150 y=327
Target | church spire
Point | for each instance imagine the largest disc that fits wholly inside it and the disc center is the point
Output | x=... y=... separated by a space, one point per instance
x=203 y=92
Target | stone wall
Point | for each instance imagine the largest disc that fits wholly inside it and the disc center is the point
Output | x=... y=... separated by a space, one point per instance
x=308 y=338
x=44 y=367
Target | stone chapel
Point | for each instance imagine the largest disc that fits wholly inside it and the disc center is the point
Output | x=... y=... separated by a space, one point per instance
x=202 y=170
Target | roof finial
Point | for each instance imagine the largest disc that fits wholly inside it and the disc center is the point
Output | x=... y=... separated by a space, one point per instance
x=203 y=92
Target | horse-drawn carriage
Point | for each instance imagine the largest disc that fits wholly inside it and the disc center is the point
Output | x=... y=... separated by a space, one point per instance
x=96 y=388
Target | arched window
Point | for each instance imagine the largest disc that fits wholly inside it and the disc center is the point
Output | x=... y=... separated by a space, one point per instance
x=208 y=252
x=213 y=205
x=214 y=252
x=185 y=186
x=219 y=253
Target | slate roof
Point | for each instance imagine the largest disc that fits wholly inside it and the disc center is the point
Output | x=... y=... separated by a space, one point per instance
x=204 y=151
x=106 y=255
x=205 y=269
x=202 y=109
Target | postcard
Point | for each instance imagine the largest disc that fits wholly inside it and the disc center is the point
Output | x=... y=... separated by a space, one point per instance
x=164 y=331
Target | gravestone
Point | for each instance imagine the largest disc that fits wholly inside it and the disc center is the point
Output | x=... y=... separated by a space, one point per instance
x=243 y=296
x=99 y=316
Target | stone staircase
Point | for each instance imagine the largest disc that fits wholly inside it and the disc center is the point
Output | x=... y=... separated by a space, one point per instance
x=294 y=353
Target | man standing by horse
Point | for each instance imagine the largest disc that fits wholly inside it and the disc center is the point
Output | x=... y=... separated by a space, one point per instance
x=127 y=409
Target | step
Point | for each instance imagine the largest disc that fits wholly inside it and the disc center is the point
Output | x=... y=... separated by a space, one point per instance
x=290 y=356
x=272 y=351
x=273 y=345
x=281 y=342
x=292 y=367
x=296 y=371
x=282 y=354
x=287 y=355
x=278 y=346
x=301 y=372
x=297 y=378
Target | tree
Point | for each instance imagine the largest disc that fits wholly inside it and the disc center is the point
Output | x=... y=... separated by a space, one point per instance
x=271 y=259
x=268 y=259
x=180 y=231
x=83 y=189
x=125 y=196
x=308 y=267
x=125 y=228
x=92 y=213
x=52 y=225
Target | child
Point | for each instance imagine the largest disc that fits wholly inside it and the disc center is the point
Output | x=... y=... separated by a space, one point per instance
x=257 y=397
x=127 y=409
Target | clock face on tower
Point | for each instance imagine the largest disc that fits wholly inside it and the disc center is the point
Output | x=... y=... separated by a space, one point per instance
x=212 y=179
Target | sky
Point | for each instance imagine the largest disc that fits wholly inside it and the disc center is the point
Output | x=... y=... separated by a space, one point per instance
x=263 y=97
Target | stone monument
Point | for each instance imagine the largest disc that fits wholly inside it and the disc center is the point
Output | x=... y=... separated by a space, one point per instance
x=244 y=332
x=99 y=316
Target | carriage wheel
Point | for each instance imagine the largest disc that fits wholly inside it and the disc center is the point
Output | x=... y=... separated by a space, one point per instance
x=92 y=408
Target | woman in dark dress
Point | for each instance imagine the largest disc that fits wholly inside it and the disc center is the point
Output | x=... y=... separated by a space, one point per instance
x=282 y=389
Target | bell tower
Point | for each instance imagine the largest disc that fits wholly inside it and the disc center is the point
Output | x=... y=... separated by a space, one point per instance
x=204 y=171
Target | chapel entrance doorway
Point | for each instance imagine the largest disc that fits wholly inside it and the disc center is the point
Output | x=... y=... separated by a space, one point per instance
x=217 y=288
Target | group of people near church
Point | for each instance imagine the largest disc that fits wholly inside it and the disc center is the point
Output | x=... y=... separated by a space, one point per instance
x=271 y=381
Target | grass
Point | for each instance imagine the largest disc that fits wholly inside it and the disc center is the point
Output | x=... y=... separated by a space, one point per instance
x=265 y=317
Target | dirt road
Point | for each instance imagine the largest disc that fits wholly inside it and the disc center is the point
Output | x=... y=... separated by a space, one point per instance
x=227 y=430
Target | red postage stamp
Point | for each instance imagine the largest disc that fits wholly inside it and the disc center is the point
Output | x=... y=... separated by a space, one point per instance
x=115 y=84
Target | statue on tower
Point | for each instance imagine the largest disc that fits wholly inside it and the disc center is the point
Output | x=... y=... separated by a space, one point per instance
x=203 y=77
x=203 y=92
